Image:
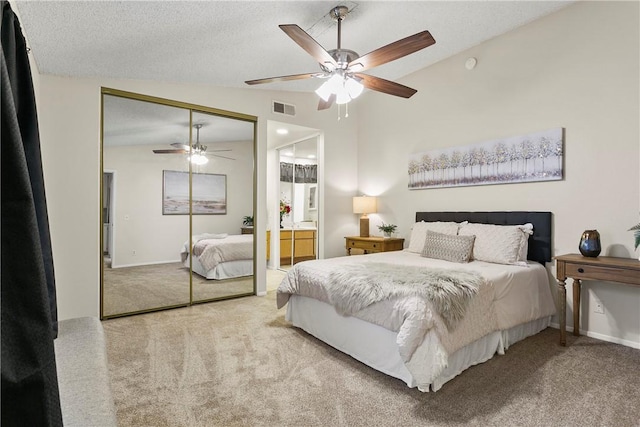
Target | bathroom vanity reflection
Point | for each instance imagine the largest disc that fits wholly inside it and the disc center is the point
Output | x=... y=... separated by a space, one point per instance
x=296 y=245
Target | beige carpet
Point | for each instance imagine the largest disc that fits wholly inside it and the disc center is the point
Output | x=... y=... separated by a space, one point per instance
x=238 y=363
x=132 y=289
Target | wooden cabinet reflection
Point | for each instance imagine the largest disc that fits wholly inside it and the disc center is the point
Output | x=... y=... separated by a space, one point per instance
x=304 y=245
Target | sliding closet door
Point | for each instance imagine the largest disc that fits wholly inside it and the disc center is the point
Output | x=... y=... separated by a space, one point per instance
x=173 y=175
x=222 y=196
x=146 y=207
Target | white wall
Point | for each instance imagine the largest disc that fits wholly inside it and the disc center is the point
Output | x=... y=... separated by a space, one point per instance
x=142 y=234
x=69 y=110
x=577 y=69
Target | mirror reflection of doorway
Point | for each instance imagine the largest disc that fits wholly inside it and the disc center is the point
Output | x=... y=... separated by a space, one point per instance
x=298 y=194
x=108 y=210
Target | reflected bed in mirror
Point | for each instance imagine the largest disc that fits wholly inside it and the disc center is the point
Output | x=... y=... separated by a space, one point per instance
x=220 y=256
x=148 y=145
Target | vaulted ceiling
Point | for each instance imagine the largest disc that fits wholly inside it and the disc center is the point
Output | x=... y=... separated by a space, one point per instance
x=224 y=43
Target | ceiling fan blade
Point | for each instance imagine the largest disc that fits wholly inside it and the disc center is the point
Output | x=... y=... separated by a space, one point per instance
x=282 y=78
x=218 y=151
x=386 y=86
x=180 y=145
x=323 y=105
x=224 y=157
x=170 y=151
x=393 y=51
x=307 y=42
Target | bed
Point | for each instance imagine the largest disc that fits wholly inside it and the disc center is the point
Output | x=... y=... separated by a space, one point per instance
x=427 y=342
x=220 y=256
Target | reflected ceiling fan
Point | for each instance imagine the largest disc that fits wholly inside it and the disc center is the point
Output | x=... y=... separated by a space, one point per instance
x=342 y=67
x=197 y=152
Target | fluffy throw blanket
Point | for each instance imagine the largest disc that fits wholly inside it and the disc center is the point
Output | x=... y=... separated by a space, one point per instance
x=356 y=286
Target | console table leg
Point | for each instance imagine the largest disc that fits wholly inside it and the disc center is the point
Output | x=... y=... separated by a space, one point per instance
x=562 y=316
x=576 y=307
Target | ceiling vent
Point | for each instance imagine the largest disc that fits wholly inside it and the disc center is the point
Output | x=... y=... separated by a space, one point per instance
x=282 y=108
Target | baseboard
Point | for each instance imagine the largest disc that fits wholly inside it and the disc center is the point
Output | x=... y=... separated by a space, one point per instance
x=602 y=337
x=261 y=293
x=145 y=263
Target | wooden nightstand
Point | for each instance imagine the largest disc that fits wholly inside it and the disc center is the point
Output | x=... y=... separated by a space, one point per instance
x=374 y=244
x=578 y=268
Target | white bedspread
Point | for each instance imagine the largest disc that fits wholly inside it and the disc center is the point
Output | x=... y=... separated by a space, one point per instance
x=512 y=295
x=211 y=252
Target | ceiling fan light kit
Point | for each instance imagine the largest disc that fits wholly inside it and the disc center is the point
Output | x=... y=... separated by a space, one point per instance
x=198 y=159
x=342 y=66
x=196 y=153
x=345 y=88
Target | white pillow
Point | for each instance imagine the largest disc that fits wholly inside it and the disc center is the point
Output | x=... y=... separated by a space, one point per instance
x=501 y=244
x=419 y=233
x=524 y=246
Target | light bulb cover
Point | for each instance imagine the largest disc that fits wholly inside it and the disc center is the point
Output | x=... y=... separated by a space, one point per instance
x=198 y=159
x=335 y=83
x=324 y=91
x=342 y=97
x=354 y=87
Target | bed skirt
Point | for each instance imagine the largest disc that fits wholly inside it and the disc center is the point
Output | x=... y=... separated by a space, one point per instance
x=376 y=346
x=224 y=270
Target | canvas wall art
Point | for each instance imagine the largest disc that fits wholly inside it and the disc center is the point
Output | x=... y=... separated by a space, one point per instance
x=536 y=156
x=209 y=193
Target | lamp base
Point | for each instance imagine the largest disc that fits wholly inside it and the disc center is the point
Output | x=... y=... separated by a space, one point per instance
x=364 y=226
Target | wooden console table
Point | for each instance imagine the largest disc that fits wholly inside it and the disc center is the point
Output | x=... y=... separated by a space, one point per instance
x=578 y=268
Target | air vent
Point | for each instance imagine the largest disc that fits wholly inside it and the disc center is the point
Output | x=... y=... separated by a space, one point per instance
x=282 y=108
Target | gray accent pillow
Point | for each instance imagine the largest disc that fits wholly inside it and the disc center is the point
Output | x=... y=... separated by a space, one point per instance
x=448 y=247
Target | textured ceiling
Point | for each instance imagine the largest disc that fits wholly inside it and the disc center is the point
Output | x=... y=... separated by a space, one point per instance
x=226 y=43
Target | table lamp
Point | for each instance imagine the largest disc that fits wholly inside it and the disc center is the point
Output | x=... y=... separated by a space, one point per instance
x=364 y=205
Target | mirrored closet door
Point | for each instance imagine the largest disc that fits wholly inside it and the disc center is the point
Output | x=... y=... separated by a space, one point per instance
x=227 y=179
x=177 y=180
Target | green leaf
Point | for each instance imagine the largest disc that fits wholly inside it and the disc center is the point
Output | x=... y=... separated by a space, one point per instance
x=636 y=234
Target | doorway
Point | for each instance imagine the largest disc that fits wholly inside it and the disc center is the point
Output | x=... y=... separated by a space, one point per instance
x=294 y=194
x=298 y=195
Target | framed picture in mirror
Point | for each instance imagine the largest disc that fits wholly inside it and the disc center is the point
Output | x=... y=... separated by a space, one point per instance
x=313 y=198
x=208 y=193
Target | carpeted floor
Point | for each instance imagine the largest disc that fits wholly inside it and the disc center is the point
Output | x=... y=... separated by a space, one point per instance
x=238 y=363
x=132 y=289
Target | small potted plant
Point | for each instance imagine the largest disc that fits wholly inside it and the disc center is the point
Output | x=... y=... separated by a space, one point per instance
x=636 y=235
x=387 y=229
x=247 y=221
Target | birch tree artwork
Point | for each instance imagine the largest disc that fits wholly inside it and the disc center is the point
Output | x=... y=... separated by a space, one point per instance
x=533 y=157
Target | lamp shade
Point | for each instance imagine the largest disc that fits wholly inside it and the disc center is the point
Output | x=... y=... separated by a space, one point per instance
x=365 y=205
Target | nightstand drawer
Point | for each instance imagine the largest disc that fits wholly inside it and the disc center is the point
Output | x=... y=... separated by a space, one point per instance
x=367 y=246
x=374 y=244
x=597 y=272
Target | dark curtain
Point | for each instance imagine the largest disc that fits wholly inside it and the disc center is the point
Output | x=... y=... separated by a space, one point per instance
x=29 y=315
x=303 y=174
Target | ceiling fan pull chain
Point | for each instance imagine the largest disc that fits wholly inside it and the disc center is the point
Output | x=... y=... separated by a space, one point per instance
x=346 y=110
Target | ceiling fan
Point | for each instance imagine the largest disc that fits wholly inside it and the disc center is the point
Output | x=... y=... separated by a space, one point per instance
x=342 y=67
x=197 y=152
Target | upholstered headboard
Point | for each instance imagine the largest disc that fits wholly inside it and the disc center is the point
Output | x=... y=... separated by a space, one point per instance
x=539 y=242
